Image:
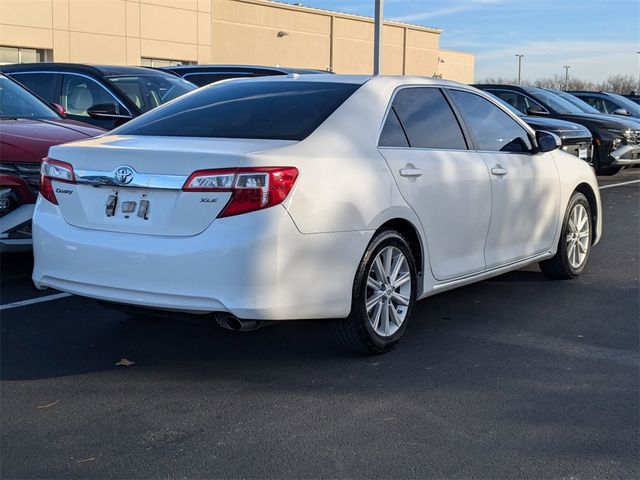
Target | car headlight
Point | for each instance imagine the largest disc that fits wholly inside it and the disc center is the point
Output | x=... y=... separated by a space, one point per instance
x=617 y=143
x=632 y=136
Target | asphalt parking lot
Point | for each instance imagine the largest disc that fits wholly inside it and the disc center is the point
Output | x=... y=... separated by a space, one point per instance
x=514 y=377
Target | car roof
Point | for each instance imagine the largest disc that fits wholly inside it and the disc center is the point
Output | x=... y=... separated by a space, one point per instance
x=351 y=78
x=483 y=86
x=95 y=70
x=226 y=67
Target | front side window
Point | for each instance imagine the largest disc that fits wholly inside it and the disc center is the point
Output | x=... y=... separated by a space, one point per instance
x=149 y=91
x=624 y=102
x=516 y=100
x=81 y=93
x=604 y=106
x=16 y=102
x=427 y=119
x=492 y=129
x=278 y=110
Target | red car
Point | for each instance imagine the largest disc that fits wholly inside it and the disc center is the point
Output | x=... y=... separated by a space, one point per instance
x=28 y=127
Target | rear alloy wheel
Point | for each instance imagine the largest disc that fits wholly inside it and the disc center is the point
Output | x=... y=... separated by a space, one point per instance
x=574 y=245
x=383 y=296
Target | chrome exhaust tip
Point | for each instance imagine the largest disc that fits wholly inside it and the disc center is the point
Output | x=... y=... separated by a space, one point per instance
x=229 y=322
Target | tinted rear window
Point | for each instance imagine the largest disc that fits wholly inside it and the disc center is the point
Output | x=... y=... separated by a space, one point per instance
x=279 y=110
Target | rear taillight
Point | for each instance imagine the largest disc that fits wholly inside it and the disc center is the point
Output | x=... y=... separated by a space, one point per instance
x=251 y=188
x=54 y=170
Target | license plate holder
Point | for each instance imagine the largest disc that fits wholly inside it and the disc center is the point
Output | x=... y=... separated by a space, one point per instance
x=136 y=206
x=583 y=153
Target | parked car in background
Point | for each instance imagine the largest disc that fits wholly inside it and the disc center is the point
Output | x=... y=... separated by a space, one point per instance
x=610 y=103
x=616 y=140
x=279 y=209
x=586 y=108
x=634 y=98
x=201 y=75
x=105 y=96
x=28 y=127
x=575 y=138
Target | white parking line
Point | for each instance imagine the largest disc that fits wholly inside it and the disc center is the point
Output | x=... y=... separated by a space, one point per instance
x=24 y=303
x=619 y=184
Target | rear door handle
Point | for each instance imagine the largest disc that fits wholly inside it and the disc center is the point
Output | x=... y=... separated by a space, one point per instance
x=499 y=171
x=410 y=172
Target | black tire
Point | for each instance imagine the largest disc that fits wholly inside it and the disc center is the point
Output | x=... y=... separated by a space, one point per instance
x=607 y=171
x=356 y=332
x=559 y=267
x=603 y=170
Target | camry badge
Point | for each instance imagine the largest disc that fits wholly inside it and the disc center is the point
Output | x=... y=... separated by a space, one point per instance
x=124 y=175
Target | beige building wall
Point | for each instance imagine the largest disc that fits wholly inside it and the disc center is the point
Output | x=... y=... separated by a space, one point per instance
x=223 y=31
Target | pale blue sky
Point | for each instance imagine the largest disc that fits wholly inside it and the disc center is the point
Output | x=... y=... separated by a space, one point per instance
x=595 y=38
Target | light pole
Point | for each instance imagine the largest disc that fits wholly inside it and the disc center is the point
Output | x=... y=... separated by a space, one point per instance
x=519 y=55
x=638 y=90
x=377 y=37
x=566 y=76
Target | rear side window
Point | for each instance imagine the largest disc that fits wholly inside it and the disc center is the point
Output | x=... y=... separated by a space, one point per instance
x=42 y=84
x=393 y=134
x=279 y=110
x=427 y=119
x=492 y=129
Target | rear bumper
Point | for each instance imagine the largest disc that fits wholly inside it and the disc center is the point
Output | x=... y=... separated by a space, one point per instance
x=255 y=266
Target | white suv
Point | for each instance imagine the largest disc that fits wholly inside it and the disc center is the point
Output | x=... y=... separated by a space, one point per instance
x=323 y=196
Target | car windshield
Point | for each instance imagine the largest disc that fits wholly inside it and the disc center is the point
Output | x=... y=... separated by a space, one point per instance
x=265 y=109
x=630 y=106
x=17 y=102
x=149 y=91
x=554 y=102
x=581 y=104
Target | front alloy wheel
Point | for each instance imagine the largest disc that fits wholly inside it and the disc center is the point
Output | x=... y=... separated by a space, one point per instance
x=578 y=235
x=574 y=245
x=384 y=292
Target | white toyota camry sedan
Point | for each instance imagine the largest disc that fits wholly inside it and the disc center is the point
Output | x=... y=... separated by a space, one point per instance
x=315 y=196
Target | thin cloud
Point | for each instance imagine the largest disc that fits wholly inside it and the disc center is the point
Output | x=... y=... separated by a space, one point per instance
x=440 y=12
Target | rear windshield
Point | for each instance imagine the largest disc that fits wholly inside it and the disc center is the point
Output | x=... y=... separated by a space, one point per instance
x=279 y=110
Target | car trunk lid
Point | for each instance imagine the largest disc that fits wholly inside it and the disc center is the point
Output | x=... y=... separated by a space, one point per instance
x=134 y=184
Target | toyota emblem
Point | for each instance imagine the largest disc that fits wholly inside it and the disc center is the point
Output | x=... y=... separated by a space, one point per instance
x=124 y=175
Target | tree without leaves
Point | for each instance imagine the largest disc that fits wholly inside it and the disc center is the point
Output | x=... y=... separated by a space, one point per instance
x=622 y=84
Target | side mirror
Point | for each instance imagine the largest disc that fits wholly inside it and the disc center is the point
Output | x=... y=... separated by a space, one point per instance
x=536 y=110
x=106 y=111
x=621 y=111
x=547 y=141
x=59 y=108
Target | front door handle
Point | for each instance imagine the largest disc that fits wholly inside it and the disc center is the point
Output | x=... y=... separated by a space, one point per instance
x=410 y=172
x=499 y=171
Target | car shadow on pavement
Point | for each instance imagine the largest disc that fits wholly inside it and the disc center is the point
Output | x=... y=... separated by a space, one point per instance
x=78 y=336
